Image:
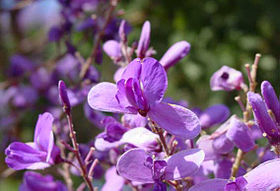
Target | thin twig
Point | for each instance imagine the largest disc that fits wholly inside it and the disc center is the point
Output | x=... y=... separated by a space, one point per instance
x=77 y=153
x=246 y=114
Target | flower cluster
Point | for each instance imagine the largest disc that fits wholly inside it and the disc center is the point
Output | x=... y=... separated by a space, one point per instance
x=146 y=141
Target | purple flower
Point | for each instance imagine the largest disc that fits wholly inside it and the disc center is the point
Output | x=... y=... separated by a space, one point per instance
x=174 y=54
x=212 y=184
x=266 y=176
x=264 y=120
x=33 y=181
x=68 y=67
x=138 y=137
x=19 y=65
x=214 y=115
x=232 y=132
x=237 y=185
x=113 y=180
x=88 y=23
x=138 y=165
x=40 y=79
x=132 y=121
x=113 y=49
x=227 y=79
x=62 y=89
x=23 y=96
x=271 y=99
x=223 y=168
x=141 y=90
x=240 y=134
x=144 y=42
x=124 y=29
x=55 y=34
x=142 y=138
x=40 y=153
x=113 y=129
x=263 y=177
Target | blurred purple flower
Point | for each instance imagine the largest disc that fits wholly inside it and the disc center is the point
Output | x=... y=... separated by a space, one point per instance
x=23 y=96
x=42 y=14
x=55 y=34
x=113 y=49
x=88 y=23
x=19 y=65
x=40 y=79
x=40 y=153
x=33 y=181
x=95 y=117
x=227 y=79
x=141 y=90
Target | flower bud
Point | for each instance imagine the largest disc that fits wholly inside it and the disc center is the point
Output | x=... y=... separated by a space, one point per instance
x=175 y=53
x=62 y=89
x=144 y=41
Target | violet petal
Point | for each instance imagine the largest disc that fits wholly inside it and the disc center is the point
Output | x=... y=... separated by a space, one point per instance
x=131 y=165
x=176 y=120
x=175 y=53
x=184 y=163
x=102 y=97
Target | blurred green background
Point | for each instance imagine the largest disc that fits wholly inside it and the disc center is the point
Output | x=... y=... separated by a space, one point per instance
x=220 y=33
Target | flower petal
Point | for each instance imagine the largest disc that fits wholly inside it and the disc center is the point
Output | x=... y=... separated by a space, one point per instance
x=22 y=156
x=222 y=144
x=227 y=79
x=266 y=176
x=113 y=49
x=102 y=97
x=132 y=70
x=262 y=117
x=271 y=99
x=240 y=135
x=131 y=165
x=154 y=80
x=113 y=180
x=175 y=53
x=118 y=74
x=144 y=40
x=176 y=120
x=184 y=163
x=212 y=184
x=102 y=145
x=140 y=137
x=43 y=136
x=206 y=144
x=214 y=115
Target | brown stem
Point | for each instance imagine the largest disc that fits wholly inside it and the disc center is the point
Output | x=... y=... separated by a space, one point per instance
x=77 y=153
